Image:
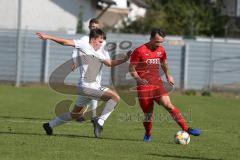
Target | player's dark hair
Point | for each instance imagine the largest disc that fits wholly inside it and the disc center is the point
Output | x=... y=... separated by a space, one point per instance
x=95 y=33
x=156 y=31
x=93 y=20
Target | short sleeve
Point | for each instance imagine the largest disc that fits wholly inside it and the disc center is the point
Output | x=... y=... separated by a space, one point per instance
x=80 y=44
x=164 y=56
x=105 y=53
x=135 y=57
x=85 y=38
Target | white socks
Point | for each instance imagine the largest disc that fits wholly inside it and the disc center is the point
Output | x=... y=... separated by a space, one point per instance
x=66 y=117
x=93 y=107
x=109 y=107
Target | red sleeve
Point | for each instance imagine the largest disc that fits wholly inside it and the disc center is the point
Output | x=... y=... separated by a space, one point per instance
x=135 y=57
x=164 y=56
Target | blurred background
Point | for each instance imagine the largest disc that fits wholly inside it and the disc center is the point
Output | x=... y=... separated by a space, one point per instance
x=203 y=38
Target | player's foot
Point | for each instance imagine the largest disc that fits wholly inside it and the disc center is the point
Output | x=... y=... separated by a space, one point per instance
x=194 y=132
x=147 y=138
x=97 y=128
x=48 y=129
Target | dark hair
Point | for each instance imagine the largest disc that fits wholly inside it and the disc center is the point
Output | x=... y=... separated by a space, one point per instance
x=156 y=31
x=93 y=20
x=95 y=33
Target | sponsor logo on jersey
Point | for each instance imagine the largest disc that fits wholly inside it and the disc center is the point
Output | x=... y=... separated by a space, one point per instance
x=153 y=61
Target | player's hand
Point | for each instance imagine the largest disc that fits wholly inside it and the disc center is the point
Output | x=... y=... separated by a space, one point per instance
x=128 y=55
x=74 y=67
x=170 y=80
x=42 y=36
x=142 y=81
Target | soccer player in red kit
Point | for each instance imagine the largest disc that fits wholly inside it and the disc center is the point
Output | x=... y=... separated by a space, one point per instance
x=144 y=66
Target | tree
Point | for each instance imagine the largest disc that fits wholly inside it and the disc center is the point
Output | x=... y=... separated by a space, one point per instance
x=181 y=17
x=80 y=21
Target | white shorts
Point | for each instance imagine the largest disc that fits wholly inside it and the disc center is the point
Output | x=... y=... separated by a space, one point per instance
x=87 y=94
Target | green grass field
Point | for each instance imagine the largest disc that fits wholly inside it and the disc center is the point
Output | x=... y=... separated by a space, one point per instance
x=24 y=109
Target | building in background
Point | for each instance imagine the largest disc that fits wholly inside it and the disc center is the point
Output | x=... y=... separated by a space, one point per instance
x=46 y=15
x=112 y=18
x=231 y=8
x=64 y=15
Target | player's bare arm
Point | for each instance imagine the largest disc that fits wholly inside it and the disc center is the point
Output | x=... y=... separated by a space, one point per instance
x=169 y=78
x=62 y=41
x=112 y=63
x=135 y=75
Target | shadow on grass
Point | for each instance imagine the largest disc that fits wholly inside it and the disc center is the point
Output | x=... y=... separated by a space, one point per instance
x=24 y=118
x=68 y=136
x=182 y=157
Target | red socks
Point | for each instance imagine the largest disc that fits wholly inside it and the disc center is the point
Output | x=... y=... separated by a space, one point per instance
x=148 y=128
x=177 y=116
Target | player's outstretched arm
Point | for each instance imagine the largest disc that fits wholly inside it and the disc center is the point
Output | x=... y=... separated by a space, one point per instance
x=112 y=63
x=62 y=41
x=166 y=71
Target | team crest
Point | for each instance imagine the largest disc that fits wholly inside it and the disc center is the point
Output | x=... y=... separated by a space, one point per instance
x=159 y=54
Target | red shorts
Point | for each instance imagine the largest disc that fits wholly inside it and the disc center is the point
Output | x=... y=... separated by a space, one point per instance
x=147 y=94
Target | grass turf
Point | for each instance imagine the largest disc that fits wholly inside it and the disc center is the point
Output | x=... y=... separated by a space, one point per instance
x=24 y=109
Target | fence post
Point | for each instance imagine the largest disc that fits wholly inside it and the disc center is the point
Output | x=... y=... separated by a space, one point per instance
x=18 y=56
x=211 y=65
x=184 y=67
x=113 y=69
x=45 y=61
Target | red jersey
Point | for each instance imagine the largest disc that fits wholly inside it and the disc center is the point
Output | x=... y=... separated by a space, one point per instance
x=148 y=63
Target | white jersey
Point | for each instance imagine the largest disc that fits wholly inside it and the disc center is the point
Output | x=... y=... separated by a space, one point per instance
x=86 y=39
x=90 y=64
x=104 y=54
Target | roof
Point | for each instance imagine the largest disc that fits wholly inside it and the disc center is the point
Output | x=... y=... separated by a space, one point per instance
x=140 y=3
x=110 y=2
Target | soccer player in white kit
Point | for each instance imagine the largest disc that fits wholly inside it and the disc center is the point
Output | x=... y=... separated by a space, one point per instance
x=92 y=105
x=91 y=60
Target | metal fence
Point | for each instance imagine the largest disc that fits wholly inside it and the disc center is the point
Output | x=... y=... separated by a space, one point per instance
x=195 y=64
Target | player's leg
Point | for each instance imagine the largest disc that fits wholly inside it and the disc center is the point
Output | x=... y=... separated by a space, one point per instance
x=112 y=99
x=106 y=94
x=174 y=111
x=176 y=115
x=91 y=112
x=147 y=107
x=146 y=101
x=77 y=111
x=93 y=106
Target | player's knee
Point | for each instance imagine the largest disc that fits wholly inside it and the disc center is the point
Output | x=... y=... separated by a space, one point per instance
x=168 y=106
x=148 y=117
x=77 y=111
x=117 y=98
